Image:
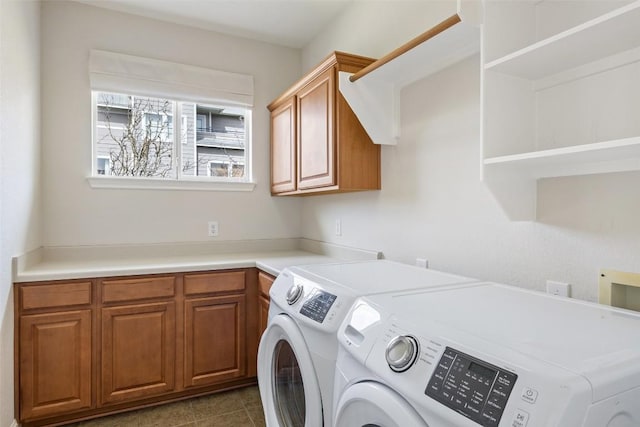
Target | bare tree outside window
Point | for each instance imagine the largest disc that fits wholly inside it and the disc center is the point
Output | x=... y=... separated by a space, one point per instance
x=138 y=135
x=134 y=137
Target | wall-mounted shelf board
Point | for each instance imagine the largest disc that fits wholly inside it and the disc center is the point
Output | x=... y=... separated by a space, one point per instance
x=513 y=179
x=601 y=157
x=580 y=83
x=374 y=92
x=606 y=35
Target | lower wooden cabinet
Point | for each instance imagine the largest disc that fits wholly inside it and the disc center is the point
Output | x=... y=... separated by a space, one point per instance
x=265 y=281
x=93 y=347
x=138 y=351
x=215 y=340
x=55 y=363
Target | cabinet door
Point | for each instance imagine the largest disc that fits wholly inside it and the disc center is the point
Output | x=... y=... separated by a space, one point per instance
x=265 y=281
x=263 y=304
x=215 y=340
x=138 y=351
x=283 y=147
x=316 y=132
x=55 y=363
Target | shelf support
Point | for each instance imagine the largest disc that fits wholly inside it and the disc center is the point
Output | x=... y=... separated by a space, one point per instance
x=373 y=93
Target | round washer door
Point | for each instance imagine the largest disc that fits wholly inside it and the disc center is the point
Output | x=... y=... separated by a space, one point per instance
x=371 y=404
x=287 y=379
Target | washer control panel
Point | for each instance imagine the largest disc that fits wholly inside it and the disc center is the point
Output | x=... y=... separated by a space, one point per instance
x=317 y=305
x=472 y=387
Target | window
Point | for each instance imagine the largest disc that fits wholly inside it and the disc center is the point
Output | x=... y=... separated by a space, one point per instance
x=103 y=167
x=134 y=137
x=224 y=168
x=137 y=137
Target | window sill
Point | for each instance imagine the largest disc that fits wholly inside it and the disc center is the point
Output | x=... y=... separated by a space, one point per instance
x=125 y=183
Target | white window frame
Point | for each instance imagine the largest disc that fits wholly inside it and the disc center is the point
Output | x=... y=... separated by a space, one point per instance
x=118 y=73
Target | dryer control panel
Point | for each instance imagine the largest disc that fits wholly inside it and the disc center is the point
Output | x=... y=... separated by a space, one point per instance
x=317 y=305
x=472 y=387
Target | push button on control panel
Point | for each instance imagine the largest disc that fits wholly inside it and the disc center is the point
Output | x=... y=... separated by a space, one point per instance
x=529 y=395
x=317 y=305
x=520 y=419
x=471 y=387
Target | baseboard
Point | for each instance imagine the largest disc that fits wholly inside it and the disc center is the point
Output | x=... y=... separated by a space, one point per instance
x=14 y=424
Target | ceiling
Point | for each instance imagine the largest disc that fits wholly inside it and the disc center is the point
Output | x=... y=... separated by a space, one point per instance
x=291 y=23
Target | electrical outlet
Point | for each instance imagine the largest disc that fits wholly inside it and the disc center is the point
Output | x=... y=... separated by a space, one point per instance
x=338 y=227
x=213 y=228
x=560 y=289
x=422 y=262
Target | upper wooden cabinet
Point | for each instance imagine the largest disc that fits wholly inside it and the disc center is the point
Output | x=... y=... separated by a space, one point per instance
x=317 y=142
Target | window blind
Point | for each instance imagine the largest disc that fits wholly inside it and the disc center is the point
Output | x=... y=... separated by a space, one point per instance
x=128 y=74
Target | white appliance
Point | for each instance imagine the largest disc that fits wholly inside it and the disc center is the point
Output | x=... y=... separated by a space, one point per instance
x=487 y=355
x=297 y=353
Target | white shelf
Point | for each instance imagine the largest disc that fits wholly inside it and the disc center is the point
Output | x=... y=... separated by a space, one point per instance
x=375 y=96
x=606 y=35
x=581 y=81
x=601 y=157
x=513 y=179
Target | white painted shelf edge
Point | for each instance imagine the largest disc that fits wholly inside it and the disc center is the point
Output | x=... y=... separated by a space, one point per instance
x=374 y=98
x=600 y=157
x=606 y=35
x=513 y=178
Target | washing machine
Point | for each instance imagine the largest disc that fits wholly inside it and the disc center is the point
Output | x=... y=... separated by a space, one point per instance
x=486 y=354
x=298 y=350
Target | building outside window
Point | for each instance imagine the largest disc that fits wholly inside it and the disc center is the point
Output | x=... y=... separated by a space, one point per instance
x=134 y=136
x=103 y=167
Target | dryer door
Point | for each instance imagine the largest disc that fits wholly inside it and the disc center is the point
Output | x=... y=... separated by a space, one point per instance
x=286 y=377
x=371 y=404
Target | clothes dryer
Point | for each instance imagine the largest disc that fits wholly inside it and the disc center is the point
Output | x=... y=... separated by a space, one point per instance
x=298 y=350
x=487 y=355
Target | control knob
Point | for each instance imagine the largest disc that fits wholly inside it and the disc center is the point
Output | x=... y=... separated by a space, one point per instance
x=401 y=353
x=294 y=293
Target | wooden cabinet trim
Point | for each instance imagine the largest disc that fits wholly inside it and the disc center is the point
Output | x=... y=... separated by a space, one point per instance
x=54 y=295
x=217 y=282
x=125 y=290
x=344 y=61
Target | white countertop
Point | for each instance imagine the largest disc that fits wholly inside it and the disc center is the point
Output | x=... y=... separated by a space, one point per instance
x=269 y=256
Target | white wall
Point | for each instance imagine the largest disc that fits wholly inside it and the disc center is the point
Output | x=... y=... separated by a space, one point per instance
x=432 y=203
x=20 y=217
x=74 y=213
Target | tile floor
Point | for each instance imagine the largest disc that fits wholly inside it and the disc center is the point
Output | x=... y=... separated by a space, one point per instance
x=236 y=408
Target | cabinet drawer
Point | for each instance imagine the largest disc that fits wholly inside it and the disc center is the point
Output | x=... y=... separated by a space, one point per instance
x=136 y=289
x=206 y=283
x=55 y=295
x=264 y=283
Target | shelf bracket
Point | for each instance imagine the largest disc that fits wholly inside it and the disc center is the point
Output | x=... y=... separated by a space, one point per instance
x=377 y=105
x=373 y=93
